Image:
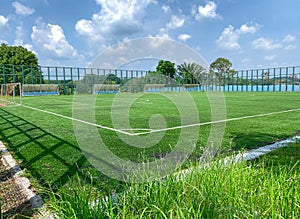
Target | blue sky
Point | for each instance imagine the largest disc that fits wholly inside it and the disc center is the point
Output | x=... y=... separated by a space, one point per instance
x=251 y=34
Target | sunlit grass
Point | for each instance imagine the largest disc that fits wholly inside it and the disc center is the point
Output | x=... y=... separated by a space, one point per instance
x=47 y=148
x=260 y=189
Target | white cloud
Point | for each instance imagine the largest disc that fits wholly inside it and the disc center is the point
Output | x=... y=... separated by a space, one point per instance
x=290 y=47
x=50 y=39
x=153 y=48
x=175 y=22
x=246 y=60
x=21 y=9
x=269 y=44
x=229 y=39
x=166 y=8
x=264 y=43
x=25 y=45
x=20 y=35
x=3 y=41
x=289 y=39
x=270 y=57
x=184 y=37
x=230 y=36
x=163 y=34
x=3 y=21
x=206 y=11
x=117 y=18
x=249 y=28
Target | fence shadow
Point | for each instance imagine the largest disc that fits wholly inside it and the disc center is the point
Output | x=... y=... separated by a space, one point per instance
x=51 y=160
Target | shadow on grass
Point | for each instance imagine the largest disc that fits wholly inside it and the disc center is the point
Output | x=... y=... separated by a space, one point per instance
x=48 y=158
x=285 y=157
x=254 y=140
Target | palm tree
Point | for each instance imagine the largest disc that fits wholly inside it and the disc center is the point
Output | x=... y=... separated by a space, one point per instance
x=191 y=73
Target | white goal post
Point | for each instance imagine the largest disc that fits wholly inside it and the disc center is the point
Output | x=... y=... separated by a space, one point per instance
x=11 y=94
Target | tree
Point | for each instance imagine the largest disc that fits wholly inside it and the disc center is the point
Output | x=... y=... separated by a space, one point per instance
x=166 y=68
x=87 y=82
x=222 y=68
x=17 y=55
x=191 y=73
x=18 y=65
x=221 y=65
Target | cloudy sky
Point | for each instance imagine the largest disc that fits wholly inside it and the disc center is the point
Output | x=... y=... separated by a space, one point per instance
x=251 y=34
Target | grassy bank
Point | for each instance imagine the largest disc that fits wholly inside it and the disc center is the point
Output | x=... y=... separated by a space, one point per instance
x=267 y=187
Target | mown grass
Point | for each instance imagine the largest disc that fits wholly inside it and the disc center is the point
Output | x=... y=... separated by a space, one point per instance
x=264 y=188
x=47 y=148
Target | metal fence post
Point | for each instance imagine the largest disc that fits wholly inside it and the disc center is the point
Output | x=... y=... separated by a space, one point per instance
x=293 y=79
x=23 y=76
x=274 y=79
x=280 y=75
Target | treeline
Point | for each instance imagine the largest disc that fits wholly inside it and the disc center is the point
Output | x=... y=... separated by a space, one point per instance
x=20 y=65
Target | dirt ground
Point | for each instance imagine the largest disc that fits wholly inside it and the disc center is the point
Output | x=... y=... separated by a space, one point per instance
x=13 y=201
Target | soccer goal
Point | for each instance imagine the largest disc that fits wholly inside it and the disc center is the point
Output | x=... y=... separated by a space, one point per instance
x=10 y=94
x=40 y=89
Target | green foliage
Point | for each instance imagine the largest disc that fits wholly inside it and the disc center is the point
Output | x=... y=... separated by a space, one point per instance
x=86 y=84
x=166 y=68
x=17 y=55
x=219 y=191
x=191 y=73
x=19 y=65
x=221 y=65
x=101 y=79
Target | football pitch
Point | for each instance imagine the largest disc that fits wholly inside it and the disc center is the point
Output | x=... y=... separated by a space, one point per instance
x=42 y=133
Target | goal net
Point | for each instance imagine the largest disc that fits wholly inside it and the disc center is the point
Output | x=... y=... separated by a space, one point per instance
x=10 y=94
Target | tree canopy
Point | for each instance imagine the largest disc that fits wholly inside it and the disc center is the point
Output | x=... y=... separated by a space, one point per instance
x=166 y=68
x=17 y=55
x=191 y=73
x=87 y=82
x=221 y=65
x=19 y=65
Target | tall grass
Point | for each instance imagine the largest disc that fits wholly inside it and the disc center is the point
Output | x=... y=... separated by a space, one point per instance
x=235 y=191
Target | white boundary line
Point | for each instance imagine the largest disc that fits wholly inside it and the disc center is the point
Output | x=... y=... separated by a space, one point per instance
x=215 y=122
x=78 y=120
x=164 y=129
x=137 y=129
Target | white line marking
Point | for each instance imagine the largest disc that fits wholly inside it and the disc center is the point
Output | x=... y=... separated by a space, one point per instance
x=137 y=129
x=78 y=120
x=149 y=131
x=215 y=122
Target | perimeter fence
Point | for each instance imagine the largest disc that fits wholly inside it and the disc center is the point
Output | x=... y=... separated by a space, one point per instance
x=69 y=80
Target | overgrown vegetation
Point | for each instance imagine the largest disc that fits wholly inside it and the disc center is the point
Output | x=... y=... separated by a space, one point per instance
x=258 y=189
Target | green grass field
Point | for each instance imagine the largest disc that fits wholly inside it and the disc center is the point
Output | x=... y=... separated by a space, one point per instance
x=47 y=149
